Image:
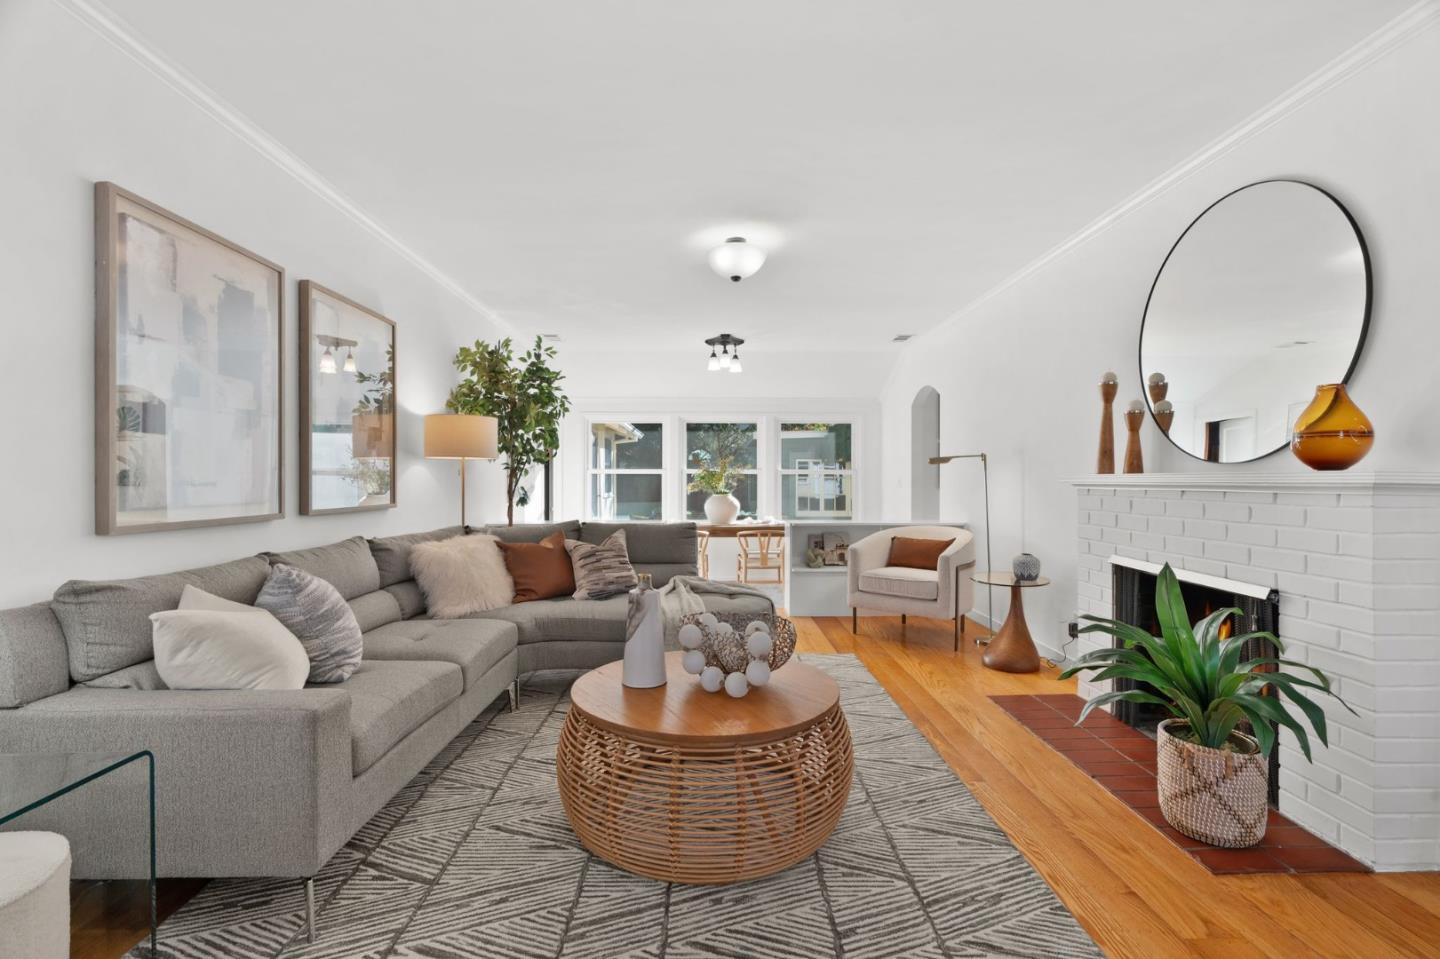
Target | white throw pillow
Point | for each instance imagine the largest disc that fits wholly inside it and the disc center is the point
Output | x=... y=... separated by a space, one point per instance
x=462 y=575
x=215 y=649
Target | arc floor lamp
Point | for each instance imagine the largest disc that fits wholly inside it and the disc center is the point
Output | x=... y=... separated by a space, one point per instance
x=989 y=564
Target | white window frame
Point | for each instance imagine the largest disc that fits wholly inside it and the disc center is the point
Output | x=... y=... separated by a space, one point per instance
x=759 y=422
x=852 y=471
x=591 y=472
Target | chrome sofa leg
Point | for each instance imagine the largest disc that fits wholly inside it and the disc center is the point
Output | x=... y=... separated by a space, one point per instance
x=310 y=909
x=514 y=690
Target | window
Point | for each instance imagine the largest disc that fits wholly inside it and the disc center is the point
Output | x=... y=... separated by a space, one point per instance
x=626 y=475
x=722 y=446
x=817 y=477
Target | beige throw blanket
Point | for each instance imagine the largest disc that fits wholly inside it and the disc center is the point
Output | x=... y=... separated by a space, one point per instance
x=684 y=594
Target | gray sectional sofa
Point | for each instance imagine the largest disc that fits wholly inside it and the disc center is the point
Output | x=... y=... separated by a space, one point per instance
x=273 y=783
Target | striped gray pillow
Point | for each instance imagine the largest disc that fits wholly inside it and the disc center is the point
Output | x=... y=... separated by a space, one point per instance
x=603 y=570
x=318 y=615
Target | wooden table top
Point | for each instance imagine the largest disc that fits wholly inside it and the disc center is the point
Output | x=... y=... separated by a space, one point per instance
x=729 y=530
x=681 y=712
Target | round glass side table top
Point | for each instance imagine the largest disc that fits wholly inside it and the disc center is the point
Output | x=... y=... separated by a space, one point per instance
x=1012 y=650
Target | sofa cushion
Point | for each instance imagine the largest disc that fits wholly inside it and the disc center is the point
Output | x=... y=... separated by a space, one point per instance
x=33 y=659
x=392 y=553
x=390 y=700
x=564 y=618
x=662 y=573
x=347 y=565
x=902 y=581
x=409 y=598
x=373 y=610
x=532 y=532
x=656 y=543
x=144 y=675
x=603 y=570
x=107 y=623
x=473 y=645
x=227 y=649
x=312 y=609
x=462 y=575
x=540 y=570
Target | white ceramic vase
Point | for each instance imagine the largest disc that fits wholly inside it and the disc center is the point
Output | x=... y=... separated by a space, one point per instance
x=644 y=662
x=722 y=508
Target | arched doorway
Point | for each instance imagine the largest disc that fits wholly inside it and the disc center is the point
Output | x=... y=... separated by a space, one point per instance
x=924 y=443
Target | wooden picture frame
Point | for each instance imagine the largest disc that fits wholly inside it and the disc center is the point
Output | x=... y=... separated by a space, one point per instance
x=338 y=465
x=189 y=373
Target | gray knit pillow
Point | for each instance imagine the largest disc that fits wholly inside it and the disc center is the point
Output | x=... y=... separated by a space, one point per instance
x=318 y=615
x=601 y=570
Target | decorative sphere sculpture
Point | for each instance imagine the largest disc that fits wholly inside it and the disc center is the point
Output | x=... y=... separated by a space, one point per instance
x=724 y=657
x=737 y=685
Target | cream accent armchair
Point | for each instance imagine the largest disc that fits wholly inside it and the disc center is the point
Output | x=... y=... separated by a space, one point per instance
x=944 y=593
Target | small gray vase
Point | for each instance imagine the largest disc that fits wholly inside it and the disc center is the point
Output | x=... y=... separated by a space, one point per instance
x=1026 y=567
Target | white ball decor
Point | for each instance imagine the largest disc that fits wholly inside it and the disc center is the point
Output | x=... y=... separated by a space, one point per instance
x=690 y=636
x=737 y=685
x=726 y=657
x=758 y=672
x=712 y=678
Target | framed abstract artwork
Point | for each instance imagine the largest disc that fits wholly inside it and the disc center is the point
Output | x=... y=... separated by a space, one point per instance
x=189 y=330
x=347 y=404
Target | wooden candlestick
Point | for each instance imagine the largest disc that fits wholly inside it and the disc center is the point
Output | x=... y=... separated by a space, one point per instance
x=1134 y=461
x=1105 y=462
x=1158 y=391
x=1164 y=416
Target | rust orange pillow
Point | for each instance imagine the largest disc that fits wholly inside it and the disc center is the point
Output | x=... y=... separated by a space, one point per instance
x=540 y=570
x=917 y=553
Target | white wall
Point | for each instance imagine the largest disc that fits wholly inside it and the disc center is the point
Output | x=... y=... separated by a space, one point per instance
x=1017 y=373
x=78 y=110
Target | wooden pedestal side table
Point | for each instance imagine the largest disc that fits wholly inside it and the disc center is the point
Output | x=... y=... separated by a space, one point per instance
x=1012 y=650
x=682 y=785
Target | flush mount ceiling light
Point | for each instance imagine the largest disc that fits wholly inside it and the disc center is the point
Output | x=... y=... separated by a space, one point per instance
x=736 y=259
x=729 y=356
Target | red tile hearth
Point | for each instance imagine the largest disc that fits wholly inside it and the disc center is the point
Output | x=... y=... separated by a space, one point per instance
x=1122 y=760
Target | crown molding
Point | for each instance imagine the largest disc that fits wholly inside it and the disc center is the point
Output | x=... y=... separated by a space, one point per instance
x=123 y=37
x=1376 y=46
x=1218 y=480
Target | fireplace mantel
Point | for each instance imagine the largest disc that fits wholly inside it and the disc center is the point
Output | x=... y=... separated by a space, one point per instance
x=1227 y=480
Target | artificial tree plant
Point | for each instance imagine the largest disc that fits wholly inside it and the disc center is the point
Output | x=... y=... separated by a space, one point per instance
x=524 y=396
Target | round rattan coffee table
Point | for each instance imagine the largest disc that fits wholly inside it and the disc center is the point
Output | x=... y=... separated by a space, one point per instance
x=682 y=785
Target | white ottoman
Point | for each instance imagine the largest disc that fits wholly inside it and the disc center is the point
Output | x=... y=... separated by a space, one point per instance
x=34 y=895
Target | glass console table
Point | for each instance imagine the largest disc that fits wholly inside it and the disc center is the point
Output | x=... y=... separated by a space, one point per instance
x=31 y=780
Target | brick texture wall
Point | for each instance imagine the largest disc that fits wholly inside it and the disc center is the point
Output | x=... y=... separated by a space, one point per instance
x=1357 y=565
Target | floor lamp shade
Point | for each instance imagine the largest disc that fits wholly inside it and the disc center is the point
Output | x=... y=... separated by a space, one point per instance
x=459 y=436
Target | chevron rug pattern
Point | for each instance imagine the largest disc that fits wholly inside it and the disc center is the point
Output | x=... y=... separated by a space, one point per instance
x=475 y=859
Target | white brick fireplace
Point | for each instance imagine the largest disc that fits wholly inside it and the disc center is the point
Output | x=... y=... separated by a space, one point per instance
x=1356 y=560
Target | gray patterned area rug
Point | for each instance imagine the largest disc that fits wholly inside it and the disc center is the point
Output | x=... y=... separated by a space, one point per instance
x=475 y=858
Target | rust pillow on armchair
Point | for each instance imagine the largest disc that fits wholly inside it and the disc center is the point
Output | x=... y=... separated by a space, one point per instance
x=540 y=570
x=917 y=553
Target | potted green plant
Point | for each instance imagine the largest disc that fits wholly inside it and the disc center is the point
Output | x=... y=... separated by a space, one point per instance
x=524 y=397
x=1213 y=776
x=716 y=472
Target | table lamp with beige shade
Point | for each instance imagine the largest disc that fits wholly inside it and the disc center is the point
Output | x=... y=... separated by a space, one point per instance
x=461 y=436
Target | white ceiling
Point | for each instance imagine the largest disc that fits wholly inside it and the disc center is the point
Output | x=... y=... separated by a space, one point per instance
x=568 y=163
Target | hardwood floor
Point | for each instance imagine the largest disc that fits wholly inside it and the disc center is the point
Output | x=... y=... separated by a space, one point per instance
x=1136 y=893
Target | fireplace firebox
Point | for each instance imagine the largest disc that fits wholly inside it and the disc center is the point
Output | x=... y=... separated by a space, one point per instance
x=1134 y=591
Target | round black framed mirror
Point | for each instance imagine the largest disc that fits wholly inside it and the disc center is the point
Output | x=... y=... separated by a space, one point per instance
x=1265 y=296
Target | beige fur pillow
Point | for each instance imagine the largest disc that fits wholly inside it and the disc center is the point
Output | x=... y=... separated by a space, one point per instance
x=462 y=575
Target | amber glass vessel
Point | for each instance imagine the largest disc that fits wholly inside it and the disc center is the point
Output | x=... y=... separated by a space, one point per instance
x=1332 y=433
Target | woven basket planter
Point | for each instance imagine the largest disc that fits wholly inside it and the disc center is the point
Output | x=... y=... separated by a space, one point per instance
x=782 y=631
x=1213 y=795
